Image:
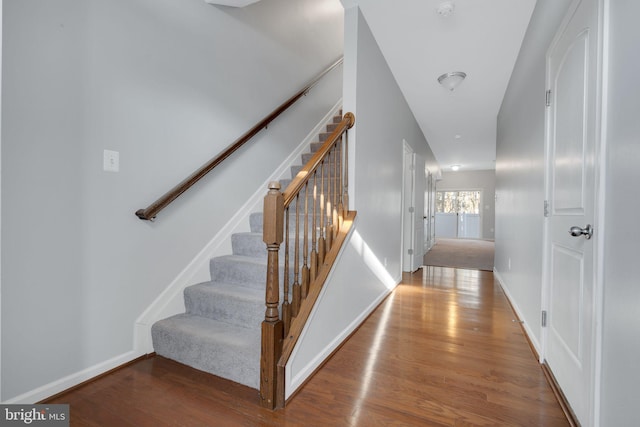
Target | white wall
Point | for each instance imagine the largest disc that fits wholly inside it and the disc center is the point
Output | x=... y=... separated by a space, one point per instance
x=621 y=329
x=520 y=169
x=168 y=84
x=42 y=209
x=363 y=278
x=383 y=120
x=484 y=180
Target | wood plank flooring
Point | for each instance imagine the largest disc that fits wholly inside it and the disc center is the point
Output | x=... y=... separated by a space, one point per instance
x=442 y=350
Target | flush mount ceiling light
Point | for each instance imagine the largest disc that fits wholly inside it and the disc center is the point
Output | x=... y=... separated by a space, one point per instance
x=446 y=8
x=452 y=80
x=455 y=168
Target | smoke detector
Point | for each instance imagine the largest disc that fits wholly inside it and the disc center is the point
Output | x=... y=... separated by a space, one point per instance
x=446 y=8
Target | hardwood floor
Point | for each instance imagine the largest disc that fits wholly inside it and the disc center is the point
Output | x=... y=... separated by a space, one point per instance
x=442 y=350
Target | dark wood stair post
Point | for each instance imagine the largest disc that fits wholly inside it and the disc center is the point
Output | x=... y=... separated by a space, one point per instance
x=272 y=326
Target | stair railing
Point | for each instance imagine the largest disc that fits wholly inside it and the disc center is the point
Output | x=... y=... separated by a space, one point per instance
x=312 y=218
x=149 y=213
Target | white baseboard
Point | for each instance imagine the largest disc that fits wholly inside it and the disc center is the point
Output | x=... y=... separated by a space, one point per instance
x=532 y=338
x=170 y=301
x=72 y=380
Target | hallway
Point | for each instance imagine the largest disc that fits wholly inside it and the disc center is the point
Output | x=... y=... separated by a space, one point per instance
x=473 y=254
x=442 y=350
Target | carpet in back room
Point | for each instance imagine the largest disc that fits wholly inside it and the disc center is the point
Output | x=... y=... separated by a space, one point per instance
x=471 y=254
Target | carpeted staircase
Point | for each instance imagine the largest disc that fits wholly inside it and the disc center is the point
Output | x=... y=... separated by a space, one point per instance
x=220 y=331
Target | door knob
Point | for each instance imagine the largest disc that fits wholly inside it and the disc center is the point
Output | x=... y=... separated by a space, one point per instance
x=576 y=231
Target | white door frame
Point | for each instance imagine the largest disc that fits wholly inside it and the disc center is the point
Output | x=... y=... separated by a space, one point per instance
x=419 y=191
x=599 y=201
x=428 y=212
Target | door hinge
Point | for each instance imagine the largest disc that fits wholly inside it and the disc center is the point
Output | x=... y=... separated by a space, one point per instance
x=548 y=98
x=544 y=318
x=546 y=208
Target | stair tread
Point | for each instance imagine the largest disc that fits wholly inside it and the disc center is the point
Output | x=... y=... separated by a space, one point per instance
x=212 y=329
x=229 y=351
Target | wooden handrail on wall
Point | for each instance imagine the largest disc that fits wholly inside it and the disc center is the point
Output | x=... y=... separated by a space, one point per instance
x=150 y=212
x=313 y=212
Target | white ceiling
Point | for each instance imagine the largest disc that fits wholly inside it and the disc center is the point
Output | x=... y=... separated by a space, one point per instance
x=481 y=38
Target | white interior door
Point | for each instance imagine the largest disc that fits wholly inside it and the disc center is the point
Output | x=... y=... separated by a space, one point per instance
x=408 y=208
x=571 y=190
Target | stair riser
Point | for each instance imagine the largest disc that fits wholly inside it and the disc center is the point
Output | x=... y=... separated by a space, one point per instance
x=250 y=275
x=329 y=171
x=292 y=211
x=308 y=156
x=252 y=245
x=320 y=183
x=315 y=146
x=329 y=196
x=242 y=311
x=244 y=274
x=332 y=126
x=323 y=136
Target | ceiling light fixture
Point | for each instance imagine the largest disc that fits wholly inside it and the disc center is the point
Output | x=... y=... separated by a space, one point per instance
x=455 y=168
x=452 y=80
x=446 y=8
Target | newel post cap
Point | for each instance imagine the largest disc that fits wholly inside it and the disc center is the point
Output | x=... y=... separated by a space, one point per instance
x=352 y=119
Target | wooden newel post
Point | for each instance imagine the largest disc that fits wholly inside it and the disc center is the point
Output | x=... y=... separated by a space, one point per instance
x=272 y=327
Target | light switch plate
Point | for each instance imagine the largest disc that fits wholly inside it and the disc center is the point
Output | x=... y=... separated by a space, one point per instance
x=111 y=161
